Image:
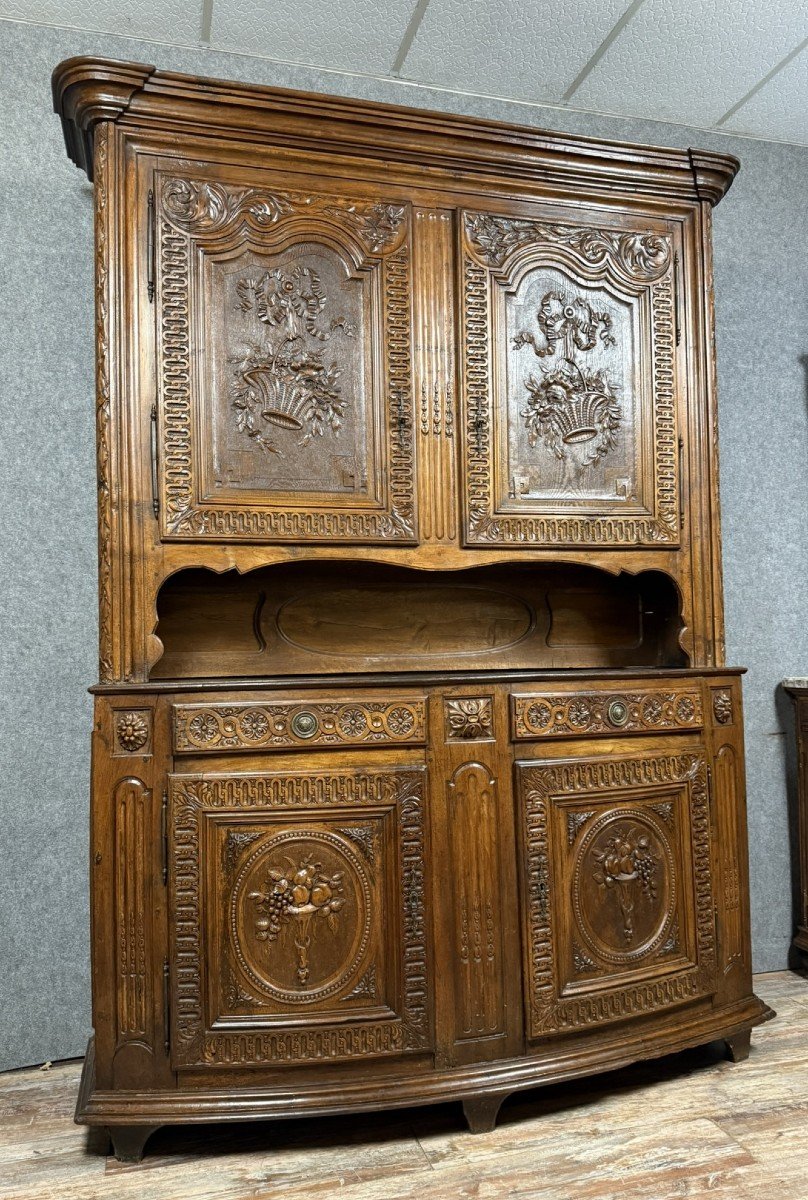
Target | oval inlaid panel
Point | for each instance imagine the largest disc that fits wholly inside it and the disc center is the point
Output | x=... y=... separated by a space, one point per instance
x=301 y=915
x=404 y=621
x=624 y=886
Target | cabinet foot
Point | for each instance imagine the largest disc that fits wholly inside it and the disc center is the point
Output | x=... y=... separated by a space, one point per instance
x=738 y=1046
x=481 y=1112
x=128 y=1141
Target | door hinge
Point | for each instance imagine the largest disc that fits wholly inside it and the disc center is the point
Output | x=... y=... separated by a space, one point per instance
x=676 y=322
x=150 y=247
x=167 y=1004
x=164 y=836
x=153 y=444
x=681 y=483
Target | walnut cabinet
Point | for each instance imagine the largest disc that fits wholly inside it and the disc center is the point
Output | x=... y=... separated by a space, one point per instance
x=417 y=768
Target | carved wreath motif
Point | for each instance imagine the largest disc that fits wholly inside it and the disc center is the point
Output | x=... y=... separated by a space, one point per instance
x=295 y=898
x=132 y=731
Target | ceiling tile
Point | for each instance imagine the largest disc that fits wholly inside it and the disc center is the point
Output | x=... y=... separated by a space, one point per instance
x=174 y=21
x=690 y=62
x=349 y=35
x=512 y=48
x=780 y=109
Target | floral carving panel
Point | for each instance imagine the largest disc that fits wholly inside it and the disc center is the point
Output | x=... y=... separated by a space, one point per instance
x=617 y=887
x=298 y=893
x=285 y=408
x=569 y=392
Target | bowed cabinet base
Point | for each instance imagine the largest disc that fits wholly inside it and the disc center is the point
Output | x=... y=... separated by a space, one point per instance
x=132 y=1117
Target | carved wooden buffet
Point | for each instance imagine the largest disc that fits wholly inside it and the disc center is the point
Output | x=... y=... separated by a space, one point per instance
x=417 y=770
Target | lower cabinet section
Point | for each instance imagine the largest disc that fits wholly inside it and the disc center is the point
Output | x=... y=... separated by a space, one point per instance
x=307 y=903
x=298 y=917
x=617 y=886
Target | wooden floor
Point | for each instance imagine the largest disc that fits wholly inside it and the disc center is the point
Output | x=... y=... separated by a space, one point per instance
x=691 y=1125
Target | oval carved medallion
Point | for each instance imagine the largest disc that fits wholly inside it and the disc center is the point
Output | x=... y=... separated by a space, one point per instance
x=624 y=886
x=301 y=915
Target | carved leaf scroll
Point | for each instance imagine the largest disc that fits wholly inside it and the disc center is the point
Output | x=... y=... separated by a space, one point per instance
x=639 y=256
x=201 y=206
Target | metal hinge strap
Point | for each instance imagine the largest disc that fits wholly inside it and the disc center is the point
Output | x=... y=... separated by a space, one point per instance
x=150 y=255
x=153 y=444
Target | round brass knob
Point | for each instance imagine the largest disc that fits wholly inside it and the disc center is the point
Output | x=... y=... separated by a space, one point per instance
x=304 y=724
x=617 y=712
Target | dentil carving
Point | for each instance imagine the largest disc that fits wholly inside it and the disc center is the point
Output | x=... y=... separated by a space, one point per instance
x=571 y=409
x=283 y=381
x=294 y=898
x=627 y=864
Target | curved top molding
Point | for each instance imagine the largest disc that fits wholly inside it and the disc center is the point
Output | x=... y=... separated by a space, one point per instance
x=89 y=90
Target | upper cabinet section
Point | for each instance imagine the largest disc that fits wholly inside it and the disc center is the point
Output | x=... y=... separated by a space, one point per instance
x=284 y=374
x=569 y=380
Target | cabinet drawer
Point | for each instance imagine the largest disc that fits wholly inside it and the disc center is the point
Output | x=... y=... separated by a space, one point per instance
x=287 y=724
x=555 y=714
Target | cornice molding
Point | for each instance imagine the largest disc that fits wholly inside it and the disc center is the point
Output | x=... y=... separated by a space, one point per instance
x=89 y=90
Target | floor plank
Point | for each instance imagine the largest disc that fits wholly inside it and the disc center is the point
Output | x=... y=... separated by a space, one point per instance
x=691 y=1125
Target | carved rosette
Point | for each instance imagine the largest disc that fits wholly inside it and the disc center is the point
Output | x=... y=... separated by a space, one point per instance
x=722 y=707
x=469 y=720
x=583 y=714
x=132 y=731
x=210 y=728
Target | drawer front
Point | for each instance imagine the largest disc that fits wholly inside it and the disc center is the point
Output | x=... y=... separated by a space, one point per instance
x=553 y=714
x=298 y=917
x=286 y=724
x=617 y=886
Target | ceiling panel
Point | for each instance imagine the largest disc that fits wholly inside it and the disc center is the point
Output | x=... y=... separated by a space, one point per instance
x=178 y=21
x=351 y=35
x=688 y=61
x=512 y=48
x=780 y=108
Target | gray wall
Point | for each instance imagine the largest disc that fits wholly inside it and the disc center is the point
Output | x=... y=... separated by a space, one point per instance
x=48 y=531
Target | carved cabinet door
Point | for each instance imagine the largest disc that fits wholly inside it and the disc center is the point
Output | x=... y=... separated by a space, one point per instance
x=617 y=887
x=298 y=917
x=283 y=344
x=569 y=421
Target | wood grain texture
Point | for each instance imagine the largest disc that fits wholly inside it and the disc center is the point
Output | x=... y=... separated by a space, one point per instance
x=717 y=1129
x=402 y=788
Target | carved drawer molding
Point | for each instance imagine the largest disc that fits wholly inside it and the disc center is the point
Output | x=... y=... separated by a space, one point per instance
x=284 y=724
x=581 y=714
